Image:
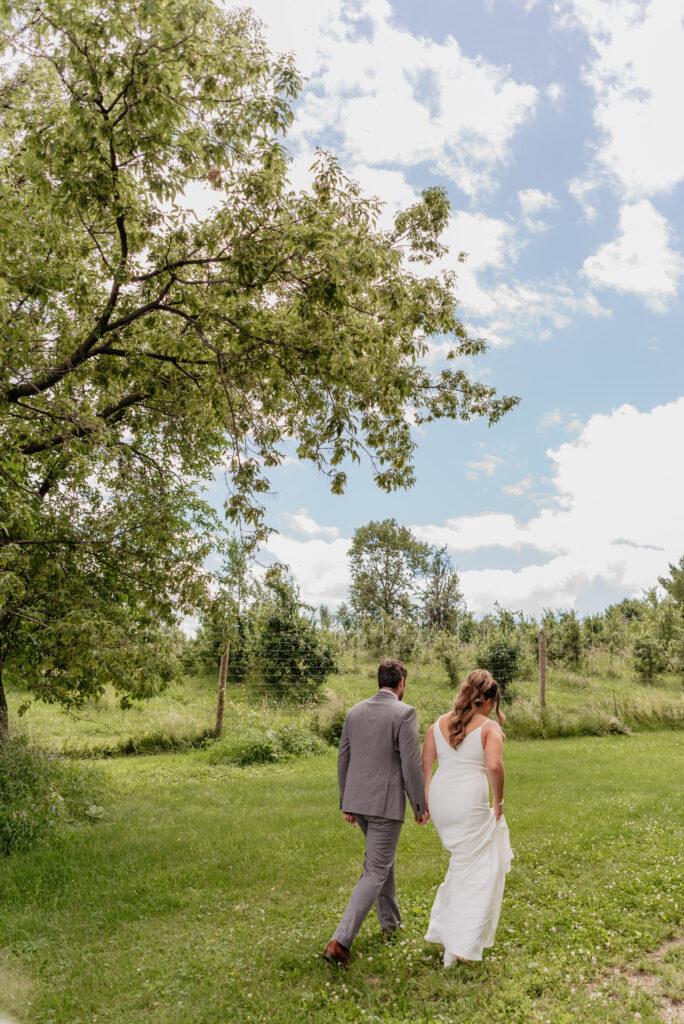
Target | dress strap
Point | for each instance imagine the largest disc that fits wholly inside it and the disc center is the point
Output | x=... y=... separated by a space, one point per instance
x=438 y=734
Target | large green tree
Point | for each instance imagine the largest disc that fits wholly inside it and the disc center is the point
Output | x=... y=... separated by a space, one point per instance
x=442 y=598
x=387 y=563
x=142 y=345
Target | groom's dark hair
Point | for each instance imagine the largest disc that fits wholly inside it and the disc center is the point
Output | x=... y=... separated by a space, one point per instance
x=391 y=672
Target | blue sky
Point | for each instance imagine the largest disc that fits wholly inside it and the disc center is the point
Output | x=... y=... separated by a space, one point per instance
x=556 y=130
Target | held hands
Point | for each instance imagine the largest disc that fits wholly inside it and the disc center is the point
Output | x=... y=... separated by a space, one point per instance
x=421 y=819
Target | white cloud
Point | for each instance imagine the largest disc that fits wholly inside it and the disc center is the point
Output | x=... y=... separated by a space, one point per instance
x=503 y=310
x=307 y=30
x=555 y=418
x=536 y=309
x=637 y=76
x=580 y=191
x=391 y=97
x=486 y=466
x=550 y=419
x=519 y=489
x=303 y=522
x=640 y=259
x=319 y=566
x=388 y=185
x=555 y=92
x=617 y=517
x=532 y=200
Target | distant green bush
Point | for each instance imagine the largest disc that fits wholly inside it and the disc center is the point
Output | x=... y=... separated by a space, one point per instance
x=328 y=721
x=500 y=652
x=294 y=658
x=676 y=652
x=299 y=741
x=449 y=652
x=40 y=793
x=650 y=656
x=263 y=746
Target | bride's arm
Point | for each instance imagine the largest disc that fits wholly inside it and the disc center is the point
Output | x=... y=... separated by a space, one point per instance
x=428 y=757
x=493 y=748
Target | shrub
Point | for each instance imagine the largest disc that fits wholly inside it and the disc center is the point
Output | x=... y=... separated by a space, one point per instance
x=650 y=656
x=254 y=746
x=328 y=721
x=388 y=636
x=572 y=641
x=264 y=746
x=448 y=650
x=675 y=652
x=500 y=653
x=39 y=794
x=298 y=741
x=294 y=658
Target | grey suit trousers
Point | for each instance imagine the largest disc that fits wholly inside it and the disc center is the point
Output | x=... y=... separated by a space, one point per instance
x=377 y=883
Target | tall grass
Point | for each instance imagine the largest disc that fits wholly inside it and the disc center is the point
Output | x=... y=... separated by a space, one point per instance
x=40 y=794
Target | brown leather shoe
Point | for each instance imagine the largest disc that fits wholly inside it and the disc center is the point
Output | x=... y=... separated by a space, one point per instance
x=336 y=954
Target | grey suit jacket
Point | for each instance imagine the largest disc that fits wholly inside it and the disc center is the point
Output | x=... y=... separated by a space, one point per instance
x=378 y=764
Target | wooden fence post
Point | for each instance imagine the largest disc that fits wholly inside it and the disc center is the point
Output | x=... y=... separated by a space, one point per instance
x=223 y=672
x=542 y=668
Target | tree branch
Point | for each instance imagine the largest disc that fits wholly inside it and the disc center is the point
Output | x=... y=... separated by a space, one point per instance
x=85 y=350
x=111 y=413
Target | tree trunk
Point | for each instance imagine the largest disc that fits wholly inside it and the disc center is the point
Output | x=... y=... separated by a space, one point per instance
x=223 y=672
x=4 y=712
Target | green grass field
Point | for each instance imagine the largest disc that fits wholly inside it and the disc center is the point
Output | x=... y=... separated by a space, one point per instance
x=207 y=894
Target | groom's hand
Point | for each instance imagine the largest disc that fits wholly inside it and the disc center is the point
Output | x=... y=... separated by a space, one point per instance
x=422 y=819
x=351 y=819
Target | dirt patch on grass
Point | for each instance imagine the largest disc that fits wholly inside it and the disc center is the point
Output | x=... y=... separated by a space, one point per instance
x=15 y=990
x=661 y=975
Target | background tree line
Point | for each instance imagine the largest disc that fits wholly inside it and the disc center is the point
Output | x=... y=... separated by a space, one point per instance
x=405 y=601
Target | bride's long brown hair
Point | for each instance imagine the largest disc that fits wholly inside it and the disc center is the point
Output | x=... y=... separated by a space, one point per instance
x=478 y=687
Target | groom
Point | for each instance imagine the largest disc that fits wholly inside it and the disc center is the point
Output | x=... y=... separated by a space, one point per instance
x=377 y=767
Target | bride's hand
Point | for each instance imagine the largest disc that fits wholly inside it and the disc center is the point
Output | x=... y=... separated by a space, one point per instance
x=498 y=810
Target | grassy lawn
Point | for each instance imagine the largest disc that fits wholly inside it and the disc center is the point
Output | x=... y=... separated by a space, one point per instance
x=207 y=894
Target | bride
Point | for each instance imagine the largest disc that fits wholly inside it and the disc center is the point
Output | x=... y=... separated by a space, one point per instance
x=468 y=747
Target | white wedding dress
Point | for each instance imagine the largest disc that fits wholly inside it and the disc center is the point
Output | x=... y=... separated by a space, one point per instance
x=468 y=902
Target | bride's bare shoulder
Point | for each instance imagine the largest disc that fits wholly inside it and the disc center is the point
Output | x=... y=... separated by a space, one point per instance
x=491 y=728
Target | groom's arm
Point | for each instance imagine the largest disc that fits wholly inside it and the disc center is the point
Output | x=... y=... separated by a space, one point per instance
x=411 y=767
x=343 y=761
